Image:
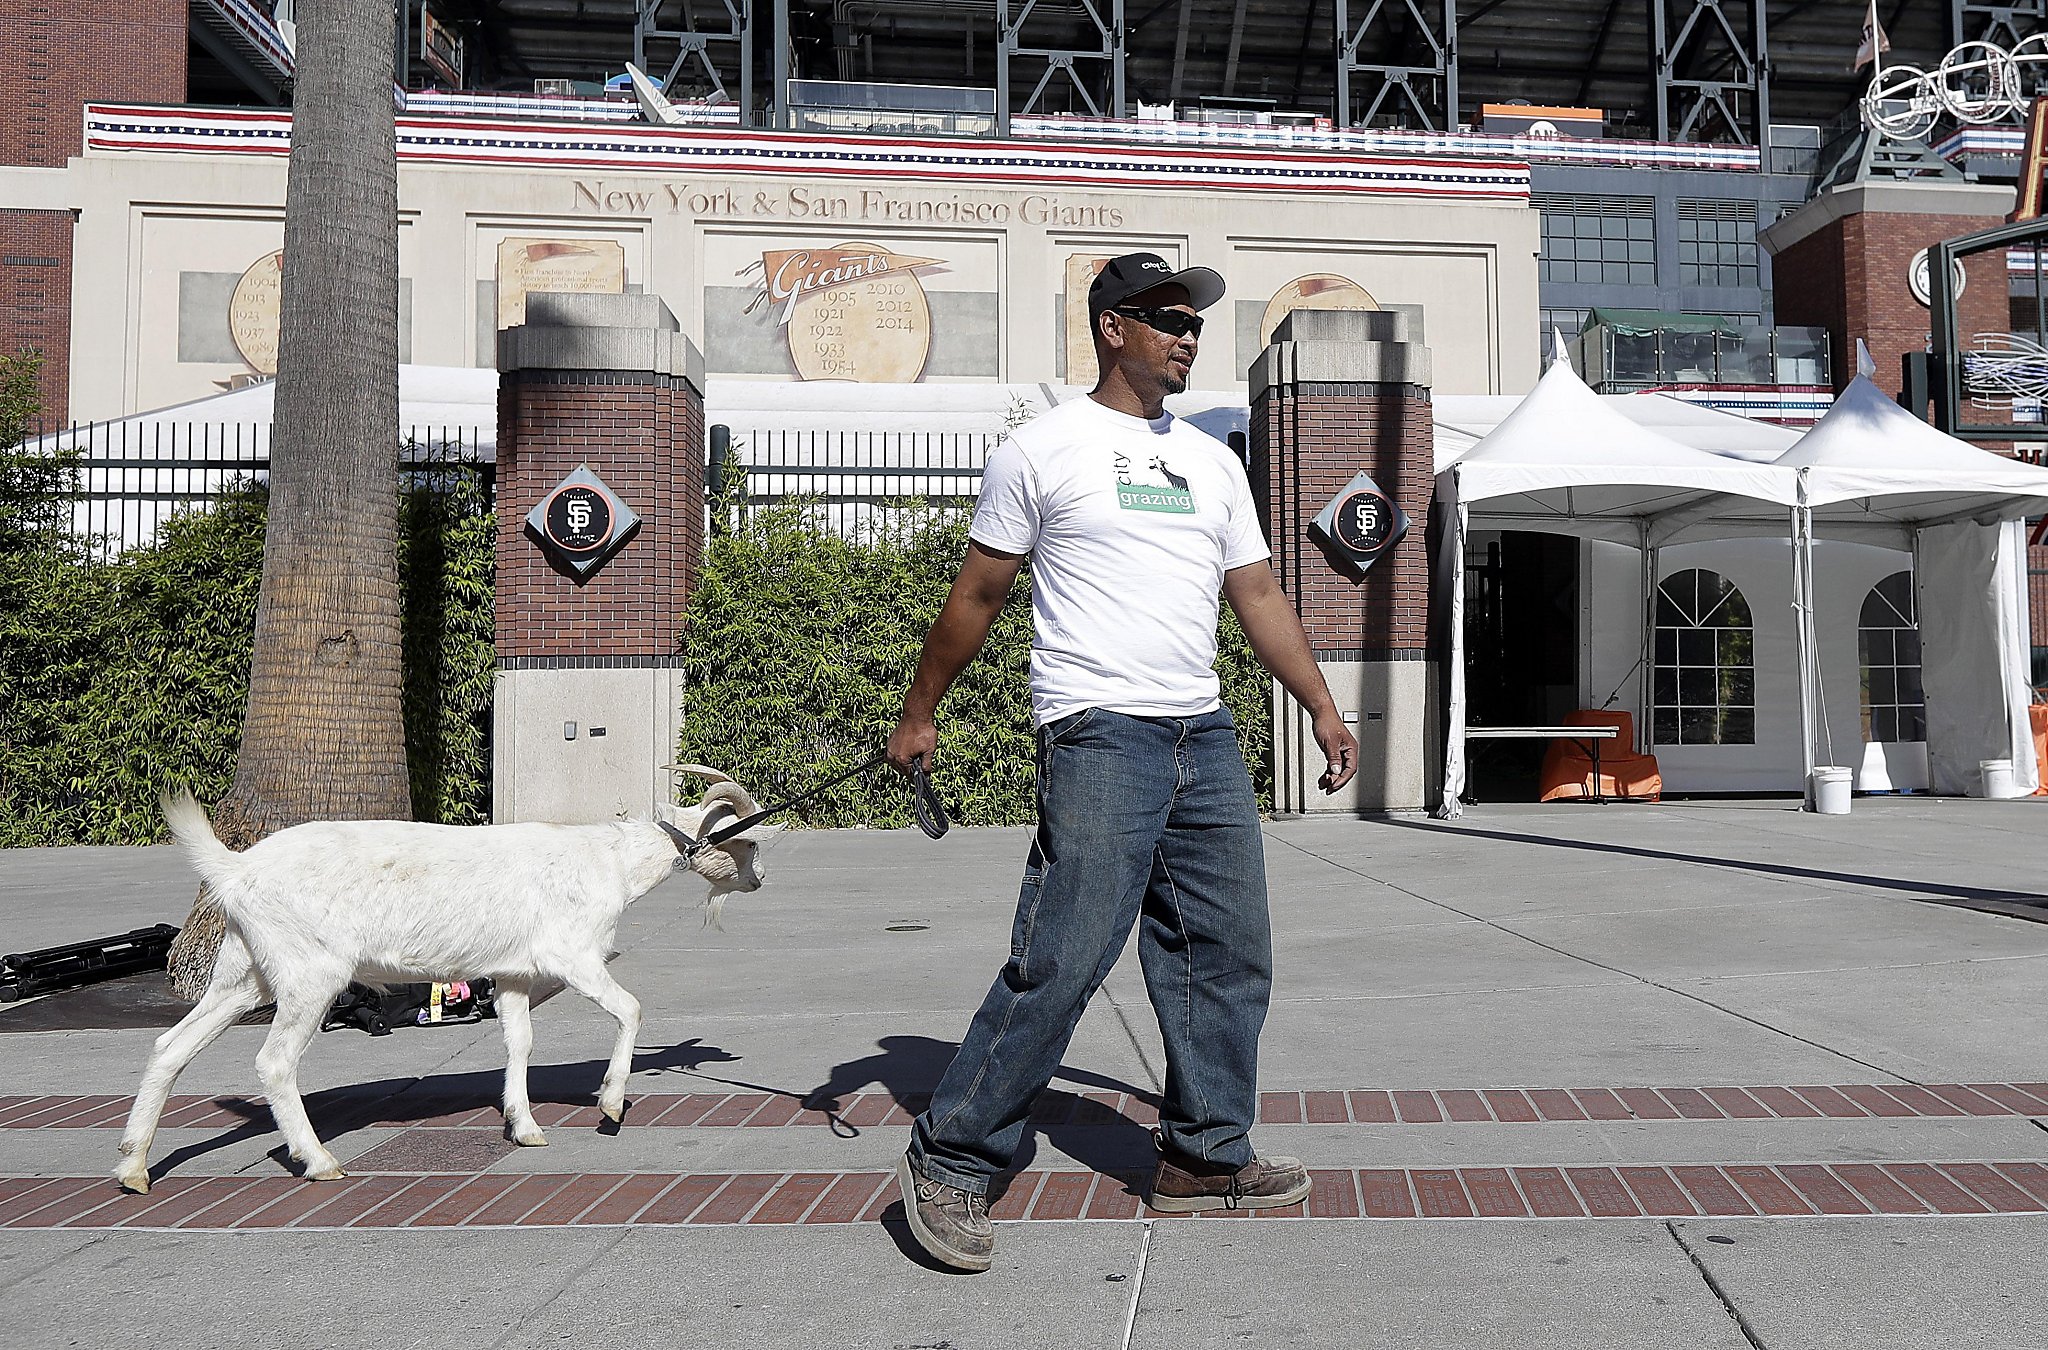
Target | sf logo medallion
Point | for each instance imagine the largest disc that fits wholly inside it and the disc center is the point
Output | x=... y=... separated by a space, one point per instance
x=1359 y=526
x=1363 y=522
x=581 y=522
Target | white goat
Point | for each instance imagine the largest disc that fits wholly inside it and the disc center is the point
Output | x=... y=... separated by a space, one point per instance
x=315 y=906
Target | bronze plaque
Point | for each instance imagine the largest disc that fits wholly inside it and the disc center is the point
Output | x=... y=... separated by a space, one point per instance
x=583 y=266
x=1318 y=290
x=1082 y=269
x=854 y=311
x=252 y=312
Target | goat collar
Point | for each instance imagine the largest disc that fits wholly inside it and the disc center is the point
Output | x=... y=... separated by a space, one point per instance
x=685 y=845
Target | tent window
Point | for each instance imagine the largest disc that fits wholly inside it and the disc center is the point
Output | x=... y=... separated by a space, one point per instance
x=1888 y=640
x=1703 y=682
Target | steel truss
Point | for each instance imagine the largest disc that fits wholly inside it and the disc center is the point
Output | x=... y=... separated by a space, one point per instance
x=2002 y=24
x=1060 y=61
x=1429 y=93
x=695 y=44
x=1727 y=94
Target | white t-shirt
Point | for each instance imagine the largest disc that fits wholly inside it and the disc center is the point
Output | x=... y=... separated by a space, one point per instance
x=1130 y=525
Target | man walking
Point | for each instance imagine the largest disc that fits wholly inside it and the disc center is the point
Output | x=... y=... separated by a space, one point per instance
x=1135 y=522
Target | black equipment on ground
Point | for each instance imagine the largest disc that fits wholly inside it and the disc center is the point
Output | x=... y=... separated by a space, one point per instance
x=377 y=1011
x=41 y=972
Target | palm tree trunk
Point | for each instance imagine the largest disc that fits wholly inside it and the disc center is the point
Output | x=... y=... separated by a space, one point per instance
x=324 y=733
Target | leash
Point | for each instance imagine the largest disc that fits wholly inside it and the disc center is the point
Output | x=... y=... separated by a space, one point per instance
x=925 y=806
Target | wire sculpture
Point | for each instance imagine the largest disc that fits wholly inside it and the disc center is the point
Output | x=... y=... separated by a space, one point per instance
x=1976 y=84
x=2004 y=369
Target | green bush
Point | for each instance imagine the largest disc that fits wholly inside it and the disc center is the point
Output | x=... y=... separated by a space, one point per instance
x=117 y=678
x=799 y=645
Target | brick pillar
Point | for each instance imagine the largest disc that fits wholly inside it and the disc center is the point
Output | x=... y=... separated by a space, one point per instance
x=1336 y=392
x=1840 y=263
x=588 y=703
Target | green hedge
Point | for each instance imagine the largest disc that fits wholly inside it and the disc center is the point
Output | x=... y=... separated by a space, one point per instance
x=117 y=678
x=799 y=645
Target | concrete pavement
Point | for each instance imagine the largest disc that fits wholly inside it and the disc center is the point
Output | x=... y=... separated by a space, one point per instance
x=1693 y=1074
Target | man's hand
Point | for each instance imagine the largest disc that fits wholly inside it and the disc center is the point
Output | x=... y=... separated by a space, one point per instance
x=1340 y=748
x=913 y=742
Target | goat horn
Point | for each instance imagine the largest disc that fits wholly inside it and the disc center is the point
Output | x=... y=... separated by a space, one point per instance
x=703 y=771
x=733 y=795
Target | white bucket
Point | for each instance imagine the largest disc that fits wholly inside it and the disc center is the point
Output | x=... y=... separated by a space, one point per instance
x=1995 y=780
x=1829 y=788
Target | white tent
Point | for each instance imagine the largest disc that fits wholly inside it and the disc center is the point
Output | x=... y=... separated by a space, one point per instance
x=1566 y=461
x=1870 y=470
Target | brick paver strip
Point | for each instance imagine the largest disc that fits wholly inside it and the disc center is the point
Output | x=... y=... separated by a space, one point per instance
x=1599 y=1104
x=1993 y=1189
x=1385 y=1193
x=1605 y=1194
x=1053 y=1108
x=399 y=1210
x=36 y=1106
x=2029 y=1177
x=1325 y=1108
x=296 y=1203
x=1656 y=1191
x=1555 y=1104
x=63 y=1116
x=354 y=1202
x=888 y=1200
x=1922 y=1101
x=60 y=1197
x=515 y=1204
x=1439 y=1194
x=1974 y=1103
x=1493 y=1193
x=209 y=1192
x=107 y=1207
x=1822 y=1190
x=687 y=1109
x=225 y=1213
x=631 y=1196
x=777 y=1111
x=1099 y=1108
x=1064 y=1196
x=1875 y=1100
x=1831 y=1103
x=1015 y=1202
x=736 y=1108
x=1548 y=1195
x=14 y=1188
x=792 y=1200
x=734 y=1203
x=683 y=1199
x=1941 y=1194
x=1142 y=1112
x=1414 y=1107
x=464 y=1201
x=1883 y=1194
x=1646 y=1104
x=1713 y=1192
x=1281 y=1108
x=567 y=1205
x=1335 y=1194
x=849 y=1195
x=2012 y=1098
x=1785 y=1103
x=1371 y=1108
x=1511 y=1107
x=1736 y=1104
x=1113 y=1198
x=115 y=1114
x=1463 y=1104
x=1769 y=1192
x=1691 y=1104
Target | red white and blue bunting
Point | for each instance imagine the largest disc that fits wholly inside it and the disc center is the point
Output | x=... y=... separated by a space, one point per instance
x=124 y=128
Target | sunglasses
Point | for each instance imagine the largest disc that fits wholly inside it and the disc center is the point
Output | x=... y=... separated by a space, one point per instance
x=1174 y=322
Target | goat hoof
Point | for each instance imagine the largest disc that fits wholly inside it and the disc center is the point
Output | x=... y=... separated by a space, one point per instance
x=615 y=1114
x=535 y=1139
x=133 y=1183
x=331 y=1172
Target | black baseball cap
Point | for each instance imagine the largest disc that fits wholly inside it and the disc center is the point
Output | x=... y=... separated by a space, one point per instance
x=1122 y=278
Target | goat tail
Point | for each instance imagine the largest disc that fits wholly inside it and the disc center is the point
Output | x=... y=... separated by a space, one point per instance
x=215 y=862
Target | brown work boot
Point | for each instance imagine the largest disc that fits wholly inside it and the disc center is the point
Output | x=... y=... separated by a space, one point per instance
x=950 y=1223
x=1182 y=1185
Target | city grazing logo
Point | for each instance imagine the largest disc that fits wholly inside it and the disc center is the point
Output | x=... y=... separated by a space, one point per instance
x=1172 y=494
x=853 y=311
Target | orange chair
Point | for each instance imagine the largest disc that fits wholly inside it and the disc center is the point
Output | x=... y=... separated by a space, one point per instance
x=2037 y=718
x=1568 y=768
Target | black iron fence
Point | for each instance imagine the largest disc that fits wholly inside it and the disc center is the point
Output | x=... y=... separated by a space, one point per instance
x=849 y=478
x=129 y=477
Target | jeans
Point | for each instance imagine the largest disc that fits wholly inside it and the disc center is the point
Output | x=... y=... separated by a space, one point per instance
x=1146 y=819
